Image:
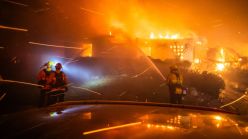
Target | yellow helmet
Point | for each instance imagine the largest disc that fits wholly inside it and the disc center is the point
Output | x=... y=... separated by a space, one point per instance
x=49 y=64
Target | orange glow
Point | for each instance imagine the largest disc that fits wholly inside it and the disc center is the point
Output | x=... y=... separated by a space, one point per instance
x=157 y=126
x=218 y=118
x=171 y=127
x=152 y=36
x=117 y=24
x=197 y=61
x=161 y=36
x=220 y=67
x=111 y=128
x=199 y=43
x=87 y=50
x=167 y=36
x=147 y=51
x=178 y=122
x=175 y=36
x=194 y=126
x=137 y=20
x=91 y=11
x=246 y=129
x=178 y=51
x=222 y=52
x=87 y=115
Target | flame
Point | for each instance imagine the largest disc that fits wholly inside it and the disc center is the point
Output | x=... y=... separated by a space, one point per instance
x=222 y=52
x=152 y=35
x=196 y=60
x=220 y=67
x=175 y=36
x=246 y=129
x=157 y=126
x=222 y=55
x=167 y=36
x=171 y=127
x=87 y=50
x=218 y=118
x=148 y=125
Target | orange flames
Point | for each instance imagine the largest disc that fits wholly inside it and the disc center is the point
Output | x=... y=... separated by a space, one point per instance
x=166 y=36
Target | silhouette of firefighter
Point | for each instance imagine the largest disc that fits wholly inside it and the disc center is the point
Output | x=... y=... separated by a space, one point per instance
x=174 y=82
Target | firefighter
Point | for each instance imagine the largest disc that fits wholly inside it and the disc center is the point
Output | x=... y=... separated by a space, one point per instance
x=60 y=84
x=174 y=82
x=45 y=78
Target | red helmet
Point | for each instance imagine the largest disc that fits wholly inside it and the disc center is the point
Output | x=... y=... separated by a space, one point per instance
x=58 y=66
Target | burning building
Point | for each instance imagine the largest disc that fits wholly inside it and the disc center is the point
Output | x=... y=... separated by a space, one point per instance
x=222 y=58
x=155 y=46
x=168 y=47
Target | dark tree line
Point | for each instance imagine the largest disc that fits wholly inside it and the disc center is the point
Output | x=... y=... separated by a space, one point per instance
x=208 y=83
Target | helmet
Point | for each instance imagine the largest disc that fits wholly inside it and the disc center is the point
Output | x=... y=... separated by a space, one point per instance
x=58 y=66
x=174 y=67
x=47 y=65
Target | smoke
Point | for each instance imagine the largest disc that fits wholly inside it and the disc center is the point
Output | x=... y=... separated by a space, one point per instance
x=219 y=22
x=137 y=18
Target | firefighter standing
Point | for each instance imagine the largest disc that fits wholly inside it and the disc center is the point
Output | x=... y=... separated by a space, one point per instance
x=45 y=78
x=60 y=84
x=174 y=82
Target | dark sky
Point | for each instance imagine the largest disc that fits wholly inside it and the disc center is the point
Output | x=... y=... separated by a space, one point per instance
x=221 y=22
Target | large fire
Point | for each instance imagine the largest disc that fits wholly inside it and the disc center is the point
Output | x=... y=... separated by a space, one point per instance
x=165 y=36
x=220 y=66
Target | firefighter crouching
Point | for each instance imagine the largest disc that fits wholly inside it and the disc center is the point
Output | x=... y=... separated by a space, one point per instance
x=59 y=86
x=174 y=82
x=46 y=79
